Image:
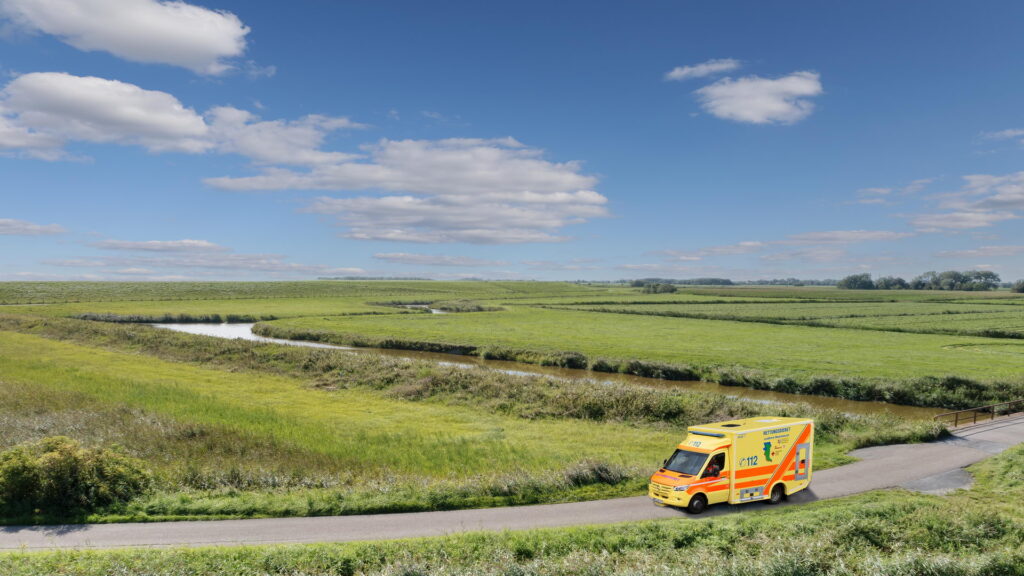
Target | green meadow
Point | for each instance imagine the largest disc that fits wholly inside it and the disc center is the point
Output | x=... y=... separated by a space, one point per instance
x=241 y=429
x=233 y=429
x=740 y=352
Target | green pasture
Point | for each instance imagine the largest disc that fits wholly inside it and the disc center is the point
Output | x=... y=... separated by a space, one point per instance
x=64 y=292
x=924 y=317
x=249 y=308
x=784 y=350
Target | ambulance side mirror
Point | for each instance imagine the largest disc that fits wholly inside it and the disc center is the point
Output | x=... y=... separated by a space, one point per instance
x=664 y=462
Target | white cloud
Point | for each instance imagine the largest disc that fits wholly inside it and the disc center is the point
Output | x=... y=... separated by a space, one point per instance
x=440 y=219
x=703 y=69
x=39 y=112
x=996 y=192
x=471 y=190
x=963 y=220
x=809 y=255
x=148 y=31
x=745 y=247
x=916 y=186
x=573 y=265
x=874 y=191
x=984 y=201
x=1003 y=134
x=186 y=245
x=435 y=260
x=11 y=227
x=276 y=142
x=882 y=195
x=58 y=107
x=217 y=262
x=844 y=237
x=474 y=190
x=985 y=252
x=758 y=100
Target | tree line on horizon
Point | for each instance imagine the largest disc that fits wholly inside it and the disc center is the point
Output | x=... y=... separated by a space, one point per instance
x=969 y=280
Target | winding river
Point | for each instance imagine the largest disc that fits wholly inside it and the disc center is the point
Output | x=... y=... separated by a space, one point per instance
x=243 y=331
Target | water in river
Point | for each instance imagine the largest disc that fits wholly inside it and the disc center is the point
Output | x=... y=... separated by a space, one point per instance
x=244 y=332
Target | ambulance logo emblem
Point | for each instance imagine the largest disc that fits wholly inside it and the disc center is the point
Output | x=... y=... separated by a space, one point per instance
x=768 y=451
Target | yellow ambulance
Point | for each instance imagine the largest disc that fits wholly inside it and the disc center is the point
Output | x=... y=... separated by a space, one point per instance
x=765 y=458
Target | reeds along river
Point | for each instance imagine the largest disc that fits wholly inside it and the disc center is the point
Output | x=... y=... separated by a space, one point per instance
x=244 y=332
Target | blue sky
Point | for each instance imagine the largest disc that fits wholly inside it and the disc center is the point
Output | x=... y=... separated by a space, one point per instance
x=571 y=140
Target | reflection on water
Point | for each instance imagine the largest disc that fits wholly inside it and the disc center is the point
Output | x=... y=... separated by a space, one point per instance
x=244 y=332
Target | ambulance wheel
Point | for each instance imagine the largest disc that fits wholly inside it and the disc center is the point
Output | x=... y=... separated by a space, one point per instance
x=778 y=494
x=698 y=504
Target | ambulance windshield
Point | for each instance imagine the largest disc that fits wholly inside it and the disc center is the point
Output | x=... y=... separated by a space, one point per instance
x=686 y=462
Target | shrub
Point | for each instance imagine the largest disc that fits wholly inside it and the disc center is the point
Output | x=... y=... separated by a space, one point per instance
x=1018 y=286
x=59 y=477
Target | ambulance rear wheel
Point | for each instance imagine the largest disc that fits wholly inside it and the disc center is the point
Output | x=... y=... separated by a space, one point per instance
x=778 y=494
x=698 y=504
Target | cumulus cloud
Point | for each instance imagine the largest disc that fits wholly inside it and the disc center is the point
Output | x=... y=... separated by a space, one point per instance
x=703 y=69
x=277 y=141
x=490 y=191
x=53 y=107
x=11 y=227
x=478 y=191
x=186 y=245
x=148 y=31
x=844 y=237
x=757 y=100
x=42 y=111
x=435 y=260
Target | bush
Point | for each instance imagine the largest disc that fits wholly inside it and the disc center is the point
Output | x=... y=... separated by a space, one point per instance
x=58 y=477
x=1018 y=286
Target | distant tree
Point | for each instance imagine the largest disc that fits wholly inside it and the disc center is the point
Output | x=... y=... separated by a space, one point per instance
x=1018 y=286
x=973 y=280
x=856 y=282
x=891 y=283
x=927 y=281
x=659 y=288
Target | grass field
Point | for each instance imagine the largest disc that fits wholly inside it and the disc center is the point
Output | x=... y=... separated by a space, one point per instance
x=801 y=353
x=977 y=532
x=235 y=428
x=238 y=429
x=988 y=319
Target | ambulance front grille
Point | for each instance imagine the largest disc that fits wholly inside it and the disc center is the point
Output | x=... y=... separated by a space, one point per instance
x=661 y=491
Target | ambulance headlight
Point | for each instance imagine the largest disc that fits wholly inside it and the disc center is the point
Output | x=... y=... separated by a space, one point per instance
x=680 y=488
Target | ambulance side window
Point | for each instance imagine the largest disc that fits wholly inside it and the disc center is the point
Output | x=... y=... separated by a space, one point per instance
x=715 y=465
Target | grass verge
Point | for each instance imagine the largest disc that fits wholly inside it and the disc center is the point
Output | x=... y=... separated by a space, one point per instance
x=978 y=532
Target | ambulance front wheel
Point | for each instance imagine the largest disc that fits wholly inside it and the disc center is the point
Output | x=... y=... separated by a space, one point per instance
x=778 y=494
x=698 y=504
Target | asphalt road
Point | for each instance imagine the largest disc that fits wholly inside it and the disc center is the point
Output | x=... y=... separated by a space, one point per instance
x=934 y=468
